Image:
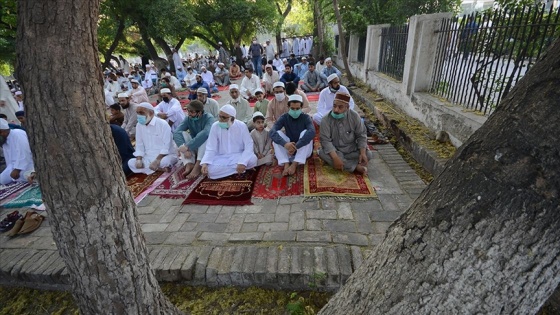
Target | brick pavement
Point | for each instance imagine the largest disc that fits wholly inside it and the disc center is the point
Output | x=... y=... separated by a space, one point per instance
x=287 y=243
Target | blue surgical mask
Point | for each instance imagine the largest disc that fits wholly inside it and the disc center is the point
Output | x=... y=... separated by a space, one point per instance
x=223 y=125
x=337 y=116
x=142 y=119
x=195 y=118
x=294 y=113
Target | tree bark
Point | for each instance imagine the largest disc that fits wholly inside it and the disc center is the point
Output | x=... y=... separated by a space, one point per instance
x=280 y=23
x=159 y=62
x=167 y=50
x=92 y=213
x=342 y=40
x=484 y=237
x=107 y=55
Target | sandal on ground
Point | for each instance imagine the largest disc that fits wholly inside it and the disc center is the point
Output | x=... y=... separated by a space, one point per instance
x=32 y=222
x=9 y=221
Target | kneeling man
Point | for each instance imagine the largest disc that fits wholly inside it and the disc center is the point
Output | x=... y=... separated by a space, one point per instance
x=17 y=153
x=155 y=149
x=296 y=144
x=343 y=137
x=229 y=148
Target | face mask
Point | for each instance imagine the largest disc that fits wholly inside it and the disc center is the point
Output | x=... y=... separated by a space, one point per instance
x=337 y=116
x=110 y=81
x=223 y=125
x=195 y=118
x=165 y=99
x=254 y=42
x=294 y=113
x=142 y=119
x=280 y=97
x=2 y=140
x=164 y=85
x=333 y=90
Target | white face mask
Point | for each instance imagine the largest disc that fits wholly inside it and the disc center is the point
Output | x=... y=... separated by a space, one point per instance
x=235 y=100
x=280 y=97
x=254 y=42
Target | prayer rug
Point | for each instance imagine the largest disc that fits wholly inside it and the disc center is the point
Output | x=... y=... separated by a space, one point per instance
x=176 y=185
x=141 y=184
x=223 y=88
x=31 y=196
x=234 y=190
x=10 y=189
x=270 y=184
x=312 y=96
x=321 y=180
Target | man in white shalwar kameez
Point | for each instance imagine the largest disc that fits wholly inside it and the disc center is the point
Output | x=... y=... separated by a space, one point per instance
x=170 y=109
x=155 y=148
x=138 y=94
x=229 y=148
x=17 y=153
x=326 y=98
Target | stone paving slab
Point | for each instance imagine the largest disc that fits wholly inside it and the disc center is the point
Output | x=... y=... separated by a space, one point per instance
x=288 y=243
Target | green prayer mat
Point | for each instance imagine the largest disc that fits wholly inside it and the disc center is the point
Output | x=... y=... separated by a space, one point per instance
x=29 y=197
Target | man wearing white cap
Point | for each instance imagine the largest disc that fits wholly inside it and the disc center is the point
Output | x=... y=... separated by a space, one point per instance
x=229 y=148
x=129 y=111
x=326 y=98
x=197 y=85
x=173 y=81
x=208 y=77
x=177 y=60
x=138 y=93
x=285 y=49
x=295 y=46
x=155 y=149
x=293 y=146
x=221 y=75
x=151 y=74
x=210 y=105
x=240 y=104
x=301 y=68
x=249 y=84
x=278 y=106
x=330 y=69
x=147 y=82
x=269 y=50
x=170 y=109
x=19 y=100
x=223 y=55
x=192 y=144
x=279 y=65
x=17 y=154
x=269 y=78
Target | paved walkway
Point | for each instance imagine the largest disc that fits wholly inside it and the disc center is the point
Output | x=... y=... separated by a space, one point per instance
x=286 y=243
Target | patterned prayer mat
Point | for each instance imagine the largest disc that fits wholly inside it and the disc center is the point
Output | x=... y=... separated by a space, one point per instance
x=233 y=190
x=321 y=180
x=31 y=196
x=11 y=189
x=141 y=184
x=270 y=184
x=312 y=96
x=176 y=185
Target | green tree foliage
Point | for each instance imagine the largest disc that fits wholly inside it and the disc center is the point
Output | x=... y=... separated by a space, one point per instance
x=8 y=22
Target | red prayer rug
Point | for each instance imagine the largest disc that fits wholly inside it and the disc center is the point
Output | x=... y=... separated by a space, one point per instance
x=312 y=96
x=141 y=185
x=176 y=185
x=321 y=180
x=234 y=190
x=270 y=184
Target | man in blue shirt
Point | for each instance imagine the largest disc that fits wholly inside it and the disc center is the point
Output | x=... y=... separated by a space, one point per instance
x=289 y=76
x=295 y=145
x=199 y=83
x=192 y=144
x=124 y=146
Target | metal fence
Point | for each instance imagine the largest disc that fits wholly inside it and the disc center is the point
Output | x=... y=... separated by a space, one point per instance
x=393 y=50
x=362 y=49
x=481 y=57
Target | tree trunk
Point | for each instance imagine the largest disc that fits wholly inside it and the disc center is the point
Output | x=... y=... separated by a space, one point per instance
x=92 y=213
x=280 y=23
x=159 y=62
x=342 y=40
x=107 y=55
x=484 y=237
x=318 y=30
x=167 y=50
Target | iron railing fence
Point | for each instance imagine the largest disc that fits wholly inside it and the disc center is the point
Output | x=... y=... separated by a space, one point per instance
x=393 y=50
x=481 y=56
x=362 y=49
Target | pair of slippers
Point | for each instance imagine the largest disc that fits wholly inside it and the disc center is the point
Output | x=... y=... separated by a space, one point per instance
x=17 y=224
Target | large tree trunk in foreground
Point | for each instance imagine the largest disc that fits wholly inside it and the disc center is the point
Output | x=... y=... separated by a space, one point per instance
x=484 y=237
x=93 y=215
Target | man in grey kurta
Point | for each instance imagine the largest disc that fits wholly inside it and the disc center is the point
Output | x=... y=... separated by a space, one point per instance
x=313 y=81
x=343 y=137
x=221 y=75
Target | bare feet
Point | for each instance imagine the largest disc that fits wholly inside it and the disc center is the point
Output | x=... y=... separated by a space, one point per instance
x=293 y=168
x=195 y=172
x=188 y=169
x=361 y=169
x=286 y=169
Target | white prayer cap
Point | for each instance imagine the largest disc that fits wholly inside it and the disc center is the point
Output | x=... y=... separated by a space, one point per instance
x=234 y=86
x=284 y=60
x=303 y=58
x=4 y=124
x=257 y=114
x=203 y=67
x=221 y=64
x=328 y=59
x=148 y=66
x=12 y=90
x=331 y=77
x=257 y=90
x=268 y=40
x=228 y=109
x=130 y=77
x=166 y=90
x=134 y=81
x=122 y=95
x=146 y=106
x=295 y=98
x=202 y=91
x=168 y=75
x=279 y=84
x=18 y=93
x=219 y=43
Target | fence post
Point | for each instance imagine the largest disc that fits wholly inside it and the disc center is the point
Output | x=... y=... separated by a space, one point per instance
x=421 y=51
x=373 y=46
x=353 y=48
